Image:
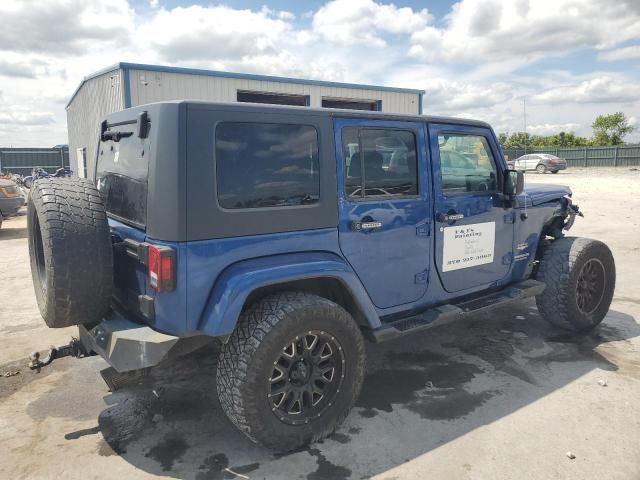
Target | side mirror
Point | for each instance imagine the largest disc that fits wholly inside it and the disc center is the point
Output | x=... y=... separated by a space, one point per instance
x=513 y=182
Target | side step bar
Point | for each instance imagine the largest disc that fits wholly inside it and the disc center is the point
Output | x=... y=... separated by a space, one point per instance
x=448 y=312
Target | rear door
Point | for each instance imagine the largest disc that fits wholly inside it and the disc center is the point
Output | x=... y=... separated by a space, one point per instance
x=384 y=207
x=121 y=178
x=474 y=230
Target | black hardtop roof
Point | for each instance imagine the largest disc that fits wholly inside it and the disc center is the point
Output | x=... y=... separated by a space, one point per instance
x=331 y=112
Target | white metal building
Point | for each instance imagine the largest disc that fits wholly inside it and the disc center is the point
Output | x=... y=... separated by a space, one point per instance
x=127 y=85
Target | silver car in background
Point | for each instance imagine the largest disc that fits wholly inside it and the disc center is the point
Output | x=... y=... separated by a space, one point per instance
x=540 y=162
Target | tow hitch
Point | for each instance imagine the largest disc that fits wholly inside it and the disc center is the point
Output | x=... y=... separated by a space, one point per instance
x=73 y=349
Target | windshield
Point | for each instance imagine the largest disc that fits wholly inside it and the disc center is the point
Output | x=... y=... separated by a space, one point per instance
x=121 y=177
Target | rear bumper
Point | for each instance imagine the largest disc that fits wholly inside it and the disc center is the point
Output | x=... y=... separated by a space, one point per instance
x=557 y=166
x=126 y=345
x=9 y=206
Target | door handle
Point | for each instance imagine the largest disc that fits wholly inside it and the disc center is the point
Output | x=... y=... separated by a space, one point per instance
x=450 y=217
x=369 y=225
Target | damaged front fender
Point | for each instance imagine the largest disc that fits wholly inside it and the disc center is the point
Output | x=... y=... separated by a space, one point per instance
x=562 y=219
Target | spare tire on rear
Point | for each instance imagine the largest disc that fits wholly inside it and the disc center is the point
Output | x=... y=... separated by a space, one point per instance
x=70 y=251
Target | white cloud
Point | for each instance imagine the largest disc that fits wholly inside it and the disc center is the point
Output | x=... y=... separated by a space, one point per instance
x=61 y=28
x=495 y=30
x=282 y=15
x=596 y=90
x=365 y=22
x=626 y=53
x=25 y=118
x=552 y=129
x=447 y=96
x=16 y=69
x=204 y=34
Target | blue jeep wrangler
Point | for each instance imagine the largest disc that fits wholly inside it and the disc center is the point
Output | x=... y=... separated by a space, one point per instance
x=289 y=236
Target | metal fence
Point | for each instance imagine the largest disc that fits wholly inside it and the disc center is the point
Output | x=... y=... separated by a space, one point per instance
x=621 y=156
x=23 y=160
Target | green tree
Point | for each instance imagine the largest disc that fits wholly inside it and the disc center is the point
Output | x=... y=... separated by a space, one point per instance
x=560 y=140
x=610 y=129
x=516 y=140
x=566 y=140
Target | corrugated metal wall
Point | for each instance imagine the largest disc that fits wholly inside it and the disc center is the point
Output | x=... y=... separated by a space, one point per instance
x=95 y=99
x=104 y=94
x=148 y=86
x=23 y=160
x=620 y=156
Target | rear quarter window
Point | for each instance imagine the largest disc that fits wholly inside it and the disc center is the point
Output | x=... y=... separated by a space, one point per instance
x=266 y=165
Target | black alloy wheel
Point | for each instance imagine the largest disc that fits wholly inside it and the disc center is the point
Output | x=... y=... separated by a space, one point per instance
x=306 y=377
x=590 y=286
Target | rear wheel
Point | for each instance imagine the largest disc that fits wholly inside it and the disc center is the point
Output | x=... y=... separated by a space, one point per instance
x=540 y=168
x=292 y=370
x=580 y=277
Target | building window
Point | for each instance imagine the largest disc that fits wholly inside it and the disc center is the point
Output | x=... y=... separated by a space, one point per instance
x=384 y=160
x=352 y=104
x=266 y=165
x=246 y=96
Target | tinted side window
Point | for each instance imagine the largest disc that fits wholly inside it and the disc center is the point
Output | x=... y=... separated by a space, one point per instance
x=466 y=164
x=379 y=162
x=266 y=165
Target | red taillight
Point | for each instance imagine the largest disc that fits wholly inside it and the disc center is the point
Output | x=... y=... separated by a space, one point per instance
x=162 y=268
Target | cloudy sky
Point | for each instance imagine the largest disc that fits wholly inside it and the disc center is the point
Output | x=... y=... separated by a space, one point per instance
x=570 y=59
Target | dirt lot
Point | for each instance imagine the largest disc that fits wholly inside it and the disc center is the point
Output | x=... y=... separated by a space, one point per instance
x=493 y=397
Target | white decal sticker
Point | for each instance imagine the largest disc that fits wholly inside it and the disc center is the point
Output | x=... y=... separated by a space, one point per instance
x=468 y=245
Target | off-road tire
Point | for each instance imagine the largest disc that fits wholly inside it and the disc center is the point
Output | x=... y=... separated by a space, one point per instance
x=247 y=359
x=70 y=251
x=560 y=268
x=540 y=168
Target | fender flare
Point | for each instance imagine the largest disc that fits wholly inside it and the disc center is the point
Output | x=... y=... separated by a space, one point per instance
x=239 y=280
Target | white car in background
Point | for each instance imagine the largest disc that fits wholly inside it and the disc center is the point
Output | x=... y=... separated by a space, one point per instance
x=540 y=162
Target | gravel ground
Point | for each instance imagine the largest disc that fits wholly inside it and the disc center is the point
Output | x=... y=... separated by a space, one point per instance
x=497 y=396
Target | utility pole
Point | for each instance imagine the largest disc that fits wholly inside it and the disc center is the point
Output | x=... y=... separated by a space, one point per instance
x=524 y=116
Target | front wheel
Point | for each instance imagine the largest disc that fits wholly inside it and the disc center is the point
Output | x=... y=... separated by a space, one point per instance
x=541 y=168
x=291 y=370
x=580 y=277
